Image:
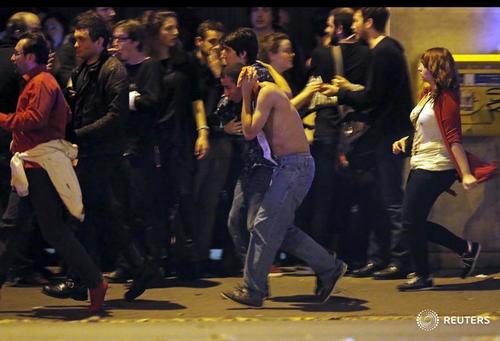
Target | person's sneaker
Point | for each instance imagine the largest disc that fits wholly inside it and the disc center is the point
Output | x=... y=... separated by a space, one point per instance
x=97 y=297
x=66 y=289
x=243 y=296
x=275 y=271
x=367 y=270
x=120 y=275
x=143 y=281
x=470 y=258
x=325 y=287
x=417 y=283
x=391 y=272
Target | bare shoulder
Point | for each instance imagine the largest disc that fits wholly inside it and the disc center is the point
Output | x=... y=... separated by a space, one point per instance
x=270 y=90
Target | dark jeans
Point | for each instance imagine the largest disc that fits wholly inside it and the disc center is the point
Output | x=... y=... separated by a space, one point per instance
x=48 y=208
x=367 y=222
x=422 y=190
x=211 y=175
x=248 y=194
x=138 y=202
x=390 y=176
x=176 y=196
x=323 y=212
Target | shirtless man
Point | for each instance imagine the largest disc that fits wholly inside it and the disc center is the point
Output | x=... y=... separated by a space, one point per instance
x=276 y=120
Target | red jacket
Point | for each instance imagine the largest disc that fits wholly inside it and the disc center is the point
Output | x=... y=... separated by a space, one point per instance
x=41 y=114
x=447 y=110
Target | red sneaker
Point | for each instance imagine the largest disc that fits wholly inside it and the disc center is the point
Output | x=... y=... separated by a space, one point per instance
x=97 y=297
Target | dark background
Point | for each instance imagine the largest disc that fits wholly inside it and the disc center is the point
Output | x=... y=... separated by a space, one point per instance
x=305 y=20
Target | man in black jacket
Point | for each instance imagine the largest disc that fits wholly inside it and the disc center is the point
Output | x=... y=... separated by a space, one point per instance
x=100 y=93
x=388 y=97
x=322 y=209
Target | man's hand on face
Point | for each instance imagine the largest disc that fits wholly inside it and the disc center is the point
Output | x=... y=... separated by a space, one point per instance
x=247 y=80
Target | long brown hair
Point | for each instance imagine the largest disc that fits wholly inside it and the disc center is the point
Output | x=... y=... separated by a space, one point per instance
x=152 y=21
x=439 y=61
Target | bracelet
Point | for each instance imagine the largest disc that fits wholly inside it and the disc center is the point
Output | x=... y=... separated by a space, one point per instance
x=203 y=127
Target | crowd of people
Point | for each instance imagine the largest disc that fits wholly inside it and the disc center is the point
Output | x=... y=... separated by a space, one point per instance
x=135 y=156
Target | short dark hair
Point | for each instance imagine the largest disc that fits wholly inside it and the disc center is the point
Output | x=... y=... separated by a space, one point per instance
x=343 y=16
x=36 y=44
x=96 y=26
x=379 y=15
x=210 y=25
x=271 y=43
x=274 y=13
x=243 y=39
x=135 y=31
x=232 y=71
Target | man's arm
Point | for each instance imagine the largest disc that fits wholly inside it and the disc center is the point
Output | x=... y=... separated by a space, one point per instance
x=36 y=114
x=201 y=145
x=253 y=123
x=116 y=100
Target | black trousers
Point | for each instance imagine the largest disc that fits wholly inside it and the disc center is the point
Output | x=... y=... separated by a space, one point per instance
x=45 y=203
x=211 y=176
x=422 y=189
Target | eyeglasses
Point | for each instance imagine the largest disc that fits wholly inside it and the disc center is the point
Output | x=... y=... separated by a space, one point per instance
x=120 y=39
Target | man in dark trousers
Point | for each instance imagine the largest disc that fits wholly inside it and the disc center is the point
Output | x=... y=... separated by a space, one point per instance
x=388 y=97
x=100 y=95
x=41 y=117
x=322 y=210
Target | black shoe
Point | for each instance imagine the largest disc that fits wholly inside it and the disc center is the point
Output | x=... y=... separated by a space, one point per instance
x=324 y=290
x=67 y=289
x=366 y=271
x=417 y=283
x=139 y=284
x=470 y=258
x=120 y=275
x=243 y=296
x=391 y=272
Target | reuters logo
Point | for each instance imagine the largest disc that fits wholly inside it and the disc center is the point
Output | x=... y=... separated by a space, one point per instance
x=427 y=320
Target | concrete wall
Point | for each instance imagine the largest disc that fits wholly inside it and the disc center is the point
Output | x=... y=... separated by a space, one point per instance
x=476 y=214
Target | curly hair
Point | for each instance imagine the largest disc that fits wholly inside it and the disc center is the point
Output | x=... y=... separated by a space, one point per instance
x=439 y=61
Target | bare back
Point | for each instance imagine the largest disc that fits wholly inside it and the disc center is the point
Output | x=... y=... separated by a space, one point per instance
x=283 y=128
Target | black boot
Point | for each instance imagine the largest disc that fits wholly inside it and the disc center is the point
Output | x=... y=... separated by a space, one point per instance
x=66 y=289
x=144 y=272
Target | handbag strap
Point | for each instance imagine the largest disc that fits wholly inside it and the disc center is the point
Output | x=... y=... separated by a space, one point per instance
x=338 y=60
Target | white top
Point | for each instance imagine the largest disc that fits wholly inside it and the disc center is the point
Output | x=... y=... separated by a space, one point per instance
x=429 y=151
x=56 y=158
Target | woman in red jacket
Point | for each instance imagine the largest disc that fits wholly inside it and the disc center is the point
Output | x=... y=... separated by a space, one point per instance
x=437 y=158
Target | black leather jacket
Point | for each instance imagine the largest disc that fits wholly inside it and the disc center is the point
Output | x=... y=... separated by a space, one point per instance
x=100 y=106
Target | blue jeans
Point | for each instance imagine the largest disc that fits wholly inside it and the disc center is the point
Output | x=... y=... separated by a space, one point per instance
x=248 y=195
x=274 y=227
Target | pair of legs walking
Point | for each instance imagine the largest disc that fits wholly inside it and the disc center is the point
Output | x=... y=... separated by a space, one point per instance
x=274 y=229
x=45 y=203
x=422 y=190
